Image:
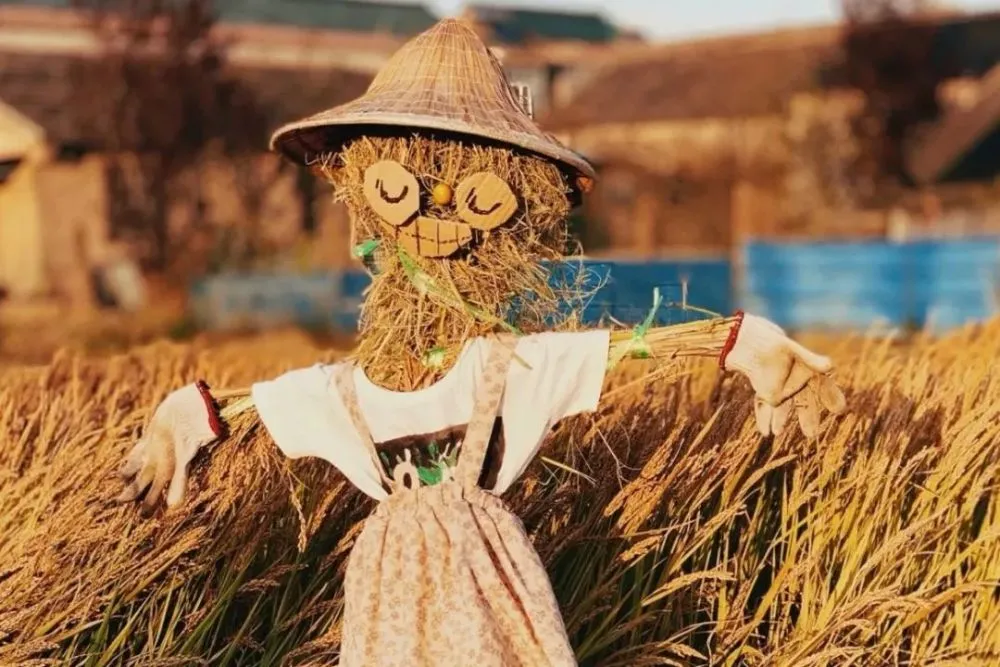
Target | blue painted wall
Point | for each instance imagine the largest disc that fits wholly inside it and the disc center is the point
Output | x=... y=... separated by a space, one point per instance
x=626 y=289
x=623 y=290
x=262 y=300
x=941 y=284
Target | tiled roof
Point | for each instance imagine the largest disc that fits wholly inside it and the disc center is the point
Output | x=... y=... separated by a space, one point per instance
x=44 y=88
x=508 y=25
x=712 y=82
x=747 y=75
x=287 y=94
x=397 y=18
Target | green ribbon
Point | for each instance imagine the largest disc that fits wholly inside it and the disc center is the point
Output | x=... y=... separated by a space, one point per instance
x=425 y=285
x=637 y=346
x=365 y=249
x=641 y=347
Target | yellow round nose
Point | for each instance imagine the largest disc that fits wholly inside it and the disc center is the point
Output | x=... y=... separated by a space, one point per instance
x=442 y=194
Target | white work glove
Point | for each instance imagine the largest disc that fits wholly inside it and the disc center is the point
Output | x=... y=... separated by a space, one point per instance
x=183 y=423
x=785 y=376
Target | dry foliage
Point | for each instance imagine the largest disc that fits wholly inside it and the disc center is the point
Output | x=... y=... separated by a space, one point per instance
x=673 y=534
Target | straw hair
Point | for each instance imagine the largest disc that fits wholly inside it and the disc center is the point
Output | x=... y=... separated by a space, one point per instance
x=445 y=79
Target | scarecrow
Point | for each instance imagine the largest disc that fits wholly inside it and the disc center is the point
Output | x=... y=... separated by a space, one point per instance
x=459 y=204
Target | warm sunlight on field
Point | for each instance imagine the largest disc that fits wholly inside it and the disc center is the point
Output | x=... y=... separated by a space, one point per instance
x=673 y=534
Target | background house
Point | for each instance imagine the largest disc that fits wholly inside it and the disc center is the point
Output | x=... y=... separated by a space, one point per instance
x=701 y=117
x=65 y=197
x=704 y=145
x=540 y=47
x=758 y=129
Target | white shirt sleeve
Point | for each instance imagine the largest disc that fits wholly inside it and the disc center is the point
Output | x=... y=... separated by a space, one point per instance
x=553 y=376
x=306 y=419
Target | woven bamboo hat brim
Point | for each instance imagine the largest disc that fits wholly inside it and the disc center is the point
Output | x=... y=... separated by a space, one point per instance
x=443 y=79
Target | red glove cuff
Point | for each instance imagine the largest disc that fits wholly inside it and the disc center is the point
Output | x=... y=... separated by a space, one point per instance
x=214 y=421
x=734 y=333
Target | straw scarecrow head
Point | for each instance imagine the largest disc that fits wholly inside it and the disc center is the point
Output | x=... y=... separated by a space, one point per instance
x=456 y=196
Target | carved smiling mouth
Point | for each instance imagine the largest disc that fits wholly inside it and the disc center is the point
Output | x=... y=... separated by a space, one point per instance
x=429 y=237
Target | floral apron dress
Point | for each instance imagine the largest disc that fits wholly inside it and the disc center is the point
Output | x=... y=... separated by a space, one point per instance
x=445 y=574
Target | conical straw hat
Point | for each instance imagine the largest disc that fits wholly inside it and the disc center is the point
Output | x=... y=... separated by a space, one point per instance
x=443 y=79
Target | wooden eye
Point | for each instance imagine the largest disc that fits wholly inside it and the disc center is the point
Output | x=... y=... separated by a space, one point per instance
x=392 y=192
x=485 y=201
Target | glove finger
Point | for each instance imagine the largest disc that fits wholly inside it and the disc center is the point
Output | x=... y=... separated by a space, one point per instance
x=178 y=485
x=138 y=485
x=831 y=396
x=163 y=473
x=799 y=375
x=807 y=410
x=781 y=375
x=133 y=461
x=762 y=412
x=779 y=417
x=818 y=363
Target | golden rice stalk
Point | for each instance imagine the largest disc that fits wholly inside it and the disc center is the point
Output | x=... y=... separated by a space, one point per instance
x=672 y=532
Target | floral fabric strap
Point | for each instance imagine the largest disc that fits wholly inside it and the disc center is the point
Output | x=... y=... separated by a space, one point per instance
x=489 y=393
x=343 y=379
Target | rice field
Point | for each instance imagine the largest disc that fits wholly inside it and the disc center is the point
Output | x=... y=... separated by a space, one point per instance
x=674 y=535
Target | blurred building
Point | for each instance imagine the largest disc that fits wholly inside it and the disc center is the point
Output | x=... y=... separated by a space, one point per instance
x=61 y=203
x=702 y=124
x=63 y=199
x=356 y=16
x=708 y=142
x=500 y=24
x=701 y=143
x=541 y=48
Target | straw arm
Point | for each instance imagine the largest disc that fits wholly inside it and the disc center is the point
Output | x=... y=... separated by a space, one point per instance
x=231 y=402
x=230 y=394
x=703 y=338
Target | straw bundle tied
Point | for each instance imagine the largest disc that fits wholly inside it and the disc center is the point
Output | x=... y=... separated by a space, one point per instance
x=663 y=346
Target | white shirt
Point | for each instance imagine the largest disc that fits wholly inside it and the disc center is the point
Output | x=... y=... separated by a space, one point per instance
x=553 y=376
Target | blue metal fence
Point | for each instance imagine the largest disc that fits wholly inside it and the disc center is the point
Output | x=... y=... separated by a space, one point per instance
x=939 y=284
x=261 y=300
x=620 y=290
x=626 y=293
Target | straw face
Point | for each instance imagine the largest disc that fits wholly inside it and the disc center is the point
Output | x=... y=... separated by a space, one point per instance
x=444 y=79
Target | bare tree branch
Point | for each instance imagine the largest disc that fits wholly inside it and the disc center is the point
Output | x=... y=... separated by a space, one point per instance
x=163 y=100
x=889 y=50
